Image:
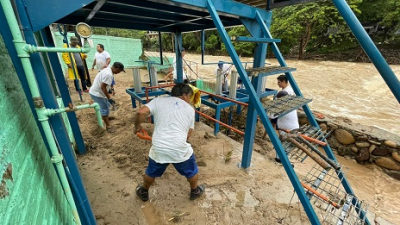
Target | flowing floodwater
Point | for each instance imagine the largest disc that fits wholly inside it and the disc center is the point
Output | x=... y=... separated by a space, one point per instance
x=353 y=90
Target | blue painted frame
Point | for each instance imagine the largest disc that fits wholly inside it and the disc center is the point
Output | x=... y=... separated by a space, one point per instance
x=63 y=89
x=39 y=20
x=55 y=121
x=141 y=97
x=178 y=56
x=222 y=105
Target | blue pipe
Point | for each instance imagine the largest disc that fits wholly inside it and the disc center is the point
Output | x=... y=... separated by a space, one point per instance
x=77 y=195
x=369 y=47
x=64 y=92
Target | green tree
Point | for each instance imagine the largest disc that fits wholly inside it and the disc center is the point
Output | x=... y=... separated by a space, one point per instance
x=212 y=42
x=384 y=12
x=242 y=48
x=191 y=41
x=298 y=25
x=168 y=40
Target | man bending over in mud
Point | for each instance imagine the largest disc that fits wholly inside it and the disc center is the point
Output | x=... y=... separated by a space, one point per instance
x=173 y=125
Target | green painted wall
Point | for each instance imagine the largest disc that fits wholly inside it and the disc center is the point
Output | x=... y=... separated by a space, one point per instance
x=30 y=192
x=125 y=50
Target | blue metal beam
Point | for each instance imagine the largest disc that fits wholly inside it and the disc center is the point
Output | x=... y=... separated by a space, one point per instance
x=225 y=8
x=369 y=47
x=124 y=14
x=165 y=10
x=143 y=14
x=95 y=9
x=64 y=93
x=186 y=22
x=178 y=56
x=122 y=24
x=251 y=121
x=59 y=9
x=250 y=130
x=56 y=121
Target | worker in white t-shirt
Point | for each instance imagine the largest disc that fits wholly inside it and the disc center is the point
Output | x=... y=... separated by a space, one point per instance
x=284 y=84
x=173 y=125
x=101 y=58
x=225 y=72
x=99 y=91
x=289 y=121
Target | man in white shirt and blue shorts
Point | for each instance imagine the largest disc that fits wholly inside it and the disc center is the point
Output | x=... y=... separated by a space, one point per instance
x=99 y=91
x=173 y=125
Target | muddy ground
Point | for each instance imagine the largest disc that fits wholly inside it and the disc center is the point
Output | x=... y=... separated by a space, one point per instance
x=260 y=195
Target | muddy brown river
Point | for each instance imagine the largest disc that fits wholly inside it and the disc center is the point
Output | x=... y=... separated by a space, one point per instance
x=353 y=90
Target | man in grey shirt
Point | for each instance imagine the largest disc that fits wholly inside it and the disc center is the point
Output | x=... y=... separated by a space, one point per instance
x=79 y=64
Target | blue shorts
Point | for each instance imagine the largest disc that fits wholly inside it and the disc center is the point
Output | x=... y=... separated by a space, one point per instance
x=187 y=168
x=103 y=103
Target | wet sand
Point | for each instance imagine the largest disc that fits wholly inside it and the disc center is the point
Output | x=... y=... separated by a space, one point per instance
x=262 y=195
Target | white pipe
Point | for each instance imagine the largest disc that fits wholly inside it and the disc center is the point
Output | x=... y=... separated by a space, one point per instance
x=218 y=82
x=137 y=80
x=233 y=87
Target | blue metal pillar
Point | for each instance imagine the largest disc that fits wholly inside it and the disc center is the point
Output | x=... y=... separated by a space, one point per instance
x=251 y=121
x=369 y=47
x=250 y=130
x=178 y=57
x=239 y=109
x=56 y=121
x=261 y=112
x=217 y=117
x=197 y=116
x=63 y=89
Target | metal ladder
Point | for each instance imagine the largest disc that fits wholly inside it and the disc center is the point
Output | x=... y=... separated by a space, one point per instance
x=319 y=181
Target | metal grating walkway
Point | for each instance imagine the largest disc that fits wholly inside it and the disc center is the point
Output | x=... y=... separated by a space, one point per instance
x=284 y=105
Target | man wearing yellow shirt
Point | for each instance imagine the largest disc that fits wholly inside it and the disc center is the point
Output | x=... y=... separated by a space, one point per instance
x=76 y=63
